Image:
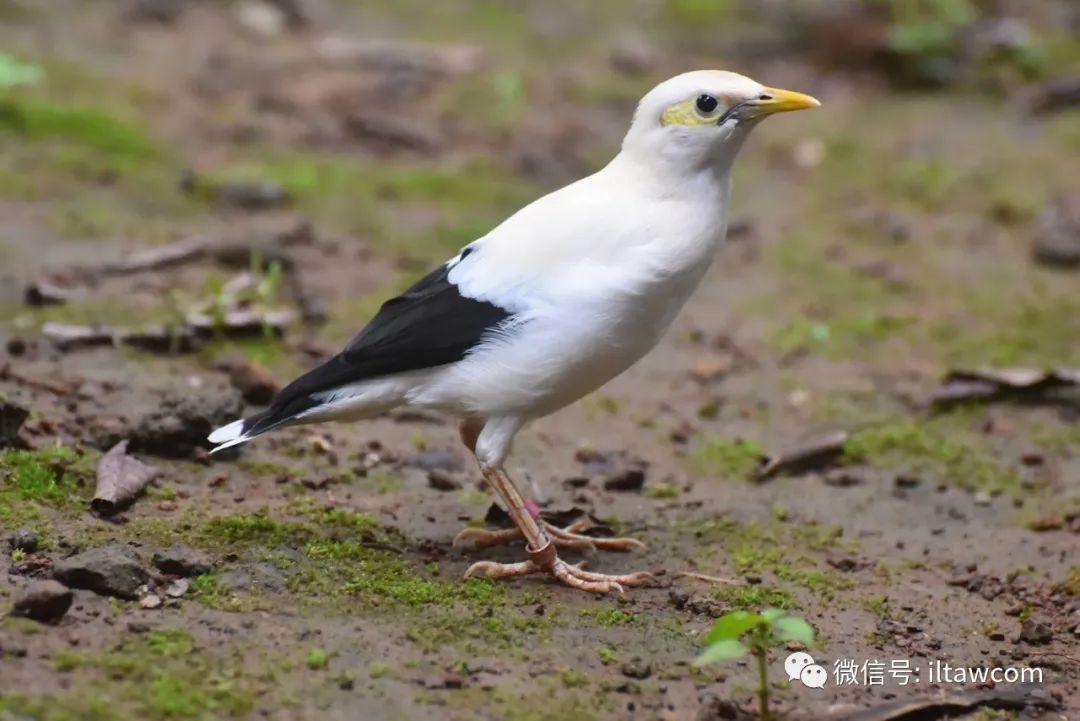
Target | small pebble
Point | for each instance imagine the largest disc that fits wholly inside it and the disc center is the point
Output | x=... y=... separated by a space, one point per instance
x=637 y=668
x=45 y=601
x=24 y=539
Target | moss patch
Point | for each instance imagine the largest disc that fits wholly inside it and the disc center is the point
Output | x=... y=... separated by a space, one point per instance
x=782 y=550
x=607 y=616
x=162 y=675
x=82 y=127
x=55 y=476
x=754 y=598
x=941 y=447
x=725 y=458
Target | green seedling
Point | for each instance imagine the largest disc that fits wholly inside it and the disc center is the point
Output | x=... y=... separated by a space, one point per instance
x=738 y=633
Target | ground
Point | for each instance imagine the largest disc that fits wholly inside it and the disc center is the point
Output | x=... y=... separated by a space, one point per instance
x=878 y=243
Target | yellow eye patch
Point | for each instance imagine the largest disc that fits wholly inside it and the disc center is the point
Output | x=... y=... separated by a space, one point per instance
x=686 y=114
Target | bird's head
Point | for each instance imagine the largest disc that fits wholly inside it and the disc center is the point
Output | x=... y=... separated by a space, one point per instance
x=699 y=119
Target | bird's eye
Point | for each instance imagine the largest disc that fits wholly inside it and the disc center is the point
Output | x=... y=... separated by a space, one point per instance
x=707 y=104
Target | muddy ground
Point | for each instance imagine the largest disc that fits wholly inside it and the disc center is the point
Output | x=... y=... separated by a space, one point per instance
x=879 y=242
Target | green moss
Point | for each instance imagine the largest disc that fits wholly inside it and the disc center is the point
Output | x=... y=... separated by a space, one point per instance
x=475 y=615
x=695 y=13
x=54 y=476
x=163 y=675
x=824 y=584
x=572 y=678
x=606 y=655
x=1034 y=328
x=1059 y=439
x=877 y=605
x=837 y=334
x=780 y=548
x=662 y=490
x=935 y=446
x=81 y=126
x=1071 y=584
x=755 y=556
x=256 y=528
x=84 y=706
x=607 y=616
x=754 y=598
x=170 y=642
x=208 y=591
x=815 y=537
x=726 y=458
x=925 y=182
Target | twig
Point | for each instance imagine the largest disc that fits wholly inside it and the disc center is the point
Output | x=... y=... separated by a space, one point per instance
x=185 y=251
x=708 y=579
x=7 y=374
x=1065 y=656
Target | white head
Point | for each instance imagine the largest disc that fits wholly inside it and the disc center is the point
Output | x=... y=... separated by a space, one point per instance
x=698 y=120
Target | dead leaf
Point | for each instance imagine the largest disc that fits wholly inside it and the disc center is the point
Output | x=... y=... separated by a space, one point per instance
x=120 y=479
x=949 y=705
x=813 y=456
x=962 y=386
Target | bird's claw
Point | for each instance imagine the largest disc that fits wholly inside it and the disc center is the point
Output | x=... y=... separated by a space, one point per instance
x=483 y=537
x=570 y=574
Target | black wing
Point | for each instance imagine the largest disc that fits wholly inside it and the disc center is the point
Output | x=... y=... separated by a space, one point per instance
x=430 y=324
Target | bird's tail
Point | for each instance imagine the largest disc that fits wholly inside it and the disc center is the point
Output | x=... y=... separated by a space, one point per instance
x=245 y=429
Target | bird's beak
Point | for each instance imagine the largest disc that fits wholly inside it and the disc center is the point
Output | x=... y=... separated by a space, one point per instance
x=775 y=100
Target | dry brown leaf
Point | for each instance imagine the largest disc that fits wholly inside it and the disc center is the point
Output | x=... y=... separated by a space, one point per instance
x=120 y=479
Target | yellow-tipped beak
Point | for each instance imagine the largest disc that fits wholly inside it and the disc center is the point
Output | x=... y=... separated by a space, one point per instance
x=775 y=100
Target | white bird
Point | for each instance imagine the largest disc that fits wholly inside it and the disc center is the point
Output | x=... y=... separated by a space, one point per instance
x=560 y=298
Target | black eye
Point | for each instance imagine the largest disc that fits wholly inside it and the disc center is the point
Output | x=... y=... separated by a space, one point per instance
x=706 y=104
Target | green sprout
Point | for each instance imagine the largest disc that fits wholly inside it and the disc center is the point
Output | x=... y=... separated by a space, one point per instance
x=14 y=72
x=738 y=633
x=317 y=659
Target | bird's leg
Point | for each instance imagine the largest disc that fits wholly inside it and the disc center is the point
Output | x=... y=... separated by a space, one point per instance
x=543 y=557
x=567 y=537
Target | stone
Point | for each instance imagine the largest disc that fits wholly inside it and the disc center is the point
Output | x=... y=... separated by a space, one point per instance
x=112 y=570
x=637 y=668
x=1036 y=633
x=46 y=601
x=12 y=416
x=24 y=539
x=181 y=560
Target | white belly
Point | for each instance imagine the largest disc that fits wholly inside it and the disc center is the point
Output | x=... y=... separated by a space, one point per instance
x=560 y=354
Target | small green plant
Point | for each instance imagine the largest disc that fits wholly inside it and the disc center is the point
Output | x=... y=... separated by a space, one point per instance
x=317 y=659
x=13 y=72
x=738 y=633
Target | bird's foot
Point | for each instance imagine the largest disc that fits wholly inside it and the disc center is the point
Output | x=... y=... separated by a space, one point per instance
x=569 y=537
x=547 y=560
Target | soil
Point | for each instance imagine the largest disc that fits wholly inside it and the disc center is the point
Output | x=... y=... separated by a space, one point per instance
x=878 y=243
